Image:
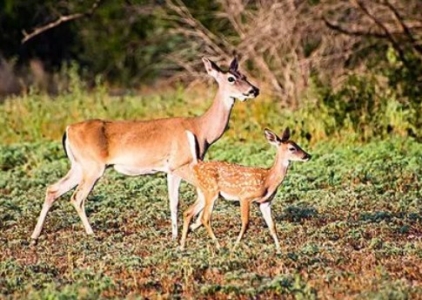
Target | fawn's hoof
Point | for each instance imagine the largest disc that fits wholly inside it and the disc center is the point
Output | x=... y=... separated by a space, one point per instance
x=194 y=226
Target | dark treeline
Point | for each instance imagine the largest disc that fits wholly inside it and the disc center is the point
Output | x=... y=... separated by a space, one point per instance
x=122 y=40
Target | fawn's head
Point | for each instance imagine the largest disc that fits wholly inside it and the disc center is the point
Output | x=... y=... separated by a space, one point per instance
x=286 y=147
x=232 y=82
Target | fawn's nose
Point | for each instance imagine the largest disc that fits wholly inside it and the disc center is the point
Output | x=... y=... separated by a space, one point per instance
x=307 y=157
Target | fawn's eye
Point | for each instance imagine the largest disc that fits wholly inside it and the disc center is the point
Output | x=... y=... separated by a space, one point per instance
x=231 y=79
x=292 y=149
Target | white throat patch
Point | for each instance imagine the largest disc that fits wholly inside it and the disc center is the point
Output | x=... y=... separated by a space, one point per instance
x=229 y=102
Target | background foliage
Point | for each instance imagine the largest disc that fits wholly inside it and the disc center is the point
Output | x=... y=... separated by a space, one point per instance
x=294 y=48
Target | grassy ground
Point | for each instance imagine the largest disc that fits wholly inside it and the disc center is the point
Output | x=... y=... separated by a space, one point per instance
x=349 y=221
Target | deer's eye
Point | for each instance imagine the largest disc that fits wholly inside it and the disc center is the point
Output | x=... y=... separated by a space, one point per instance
x=231 y=79
x=292 y=149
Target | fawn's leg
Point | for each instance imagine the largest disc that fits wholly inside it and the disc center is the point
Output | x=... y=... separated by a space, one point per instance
x=198 y=210
x=206 y=216
x=244 y=212
x=189 y=213
x=198 y=221
x=266 y=213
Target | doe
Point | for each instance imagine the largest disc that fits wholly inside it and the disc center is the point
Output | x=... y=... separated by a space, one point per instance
x=240 y=183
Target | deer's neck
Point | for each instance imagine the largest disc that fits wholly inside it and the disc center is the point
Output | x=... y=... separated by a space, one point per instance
x=213 y=122
x=277 y=172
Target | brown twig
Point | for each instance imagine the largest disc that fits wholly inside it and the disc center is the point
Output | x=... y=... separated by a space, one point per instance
x=60 y=20
x=388 y=34
x=404 y=27
x=198 y=28
x=355 y=32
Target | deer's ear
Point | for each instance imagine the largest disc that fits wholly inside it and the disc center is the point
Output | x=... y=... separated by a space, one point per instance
x=271 y=137
x=211 y=67
x=234 y=65
x=286 y=135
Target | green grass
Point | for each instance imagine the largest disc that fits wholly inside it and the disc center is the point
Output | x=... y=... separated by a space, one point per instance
x=36 y=117
x=349 y=221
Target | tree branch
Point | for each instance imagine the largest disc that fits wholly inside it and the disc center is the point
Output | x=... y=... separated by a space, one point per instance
x=218 y=44
x=337 y=27
x=62 y=19
x=404 y=27
x=388 y=34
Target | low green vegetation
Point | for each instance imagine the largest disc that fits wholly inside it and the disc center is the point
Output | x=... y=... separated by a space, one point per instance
x=349 y=220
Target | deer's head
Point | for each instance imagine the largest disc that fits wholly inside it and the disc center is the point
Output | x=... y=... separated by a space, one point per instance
x=286 y=148
x=233 y=83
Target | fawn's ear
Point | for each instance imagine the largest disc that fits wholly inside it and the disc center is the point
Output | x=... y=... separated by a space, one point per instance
x=272 y=138
x=286 y=135
x=234 y=65
x=211 y=67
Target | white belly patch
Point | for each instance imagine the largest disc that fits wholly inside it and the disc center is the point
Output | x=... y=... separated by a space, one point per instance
x=229 y=197
x=134 y=171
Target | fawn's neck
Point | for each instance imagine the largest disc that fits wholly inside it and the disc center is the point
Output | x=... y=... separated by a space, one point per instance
x=277 y=172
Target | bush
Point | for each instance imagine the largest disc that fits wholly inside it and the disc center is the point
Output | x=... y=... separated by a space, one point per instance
x=368 y=108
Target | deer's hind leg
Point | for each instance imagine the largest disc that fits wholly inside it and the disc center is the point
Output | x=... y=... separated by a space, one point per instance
x=54 y=191
x=89 y=178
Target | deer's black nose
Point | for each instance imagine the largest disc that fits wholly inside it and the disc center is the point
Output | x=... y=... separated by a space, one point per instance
x=307 y=157
x=254 y=91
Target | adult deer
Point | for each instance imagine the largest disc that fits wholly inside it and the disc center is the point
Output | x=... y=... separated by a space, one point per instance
x=144 y=147
x=240 y=183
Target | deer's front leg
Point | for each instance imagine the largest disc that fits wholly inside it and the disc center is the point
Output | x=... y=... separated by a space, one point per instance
x=173 y=182
x=266 y=213
x=54 y=191
x=89 y=178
